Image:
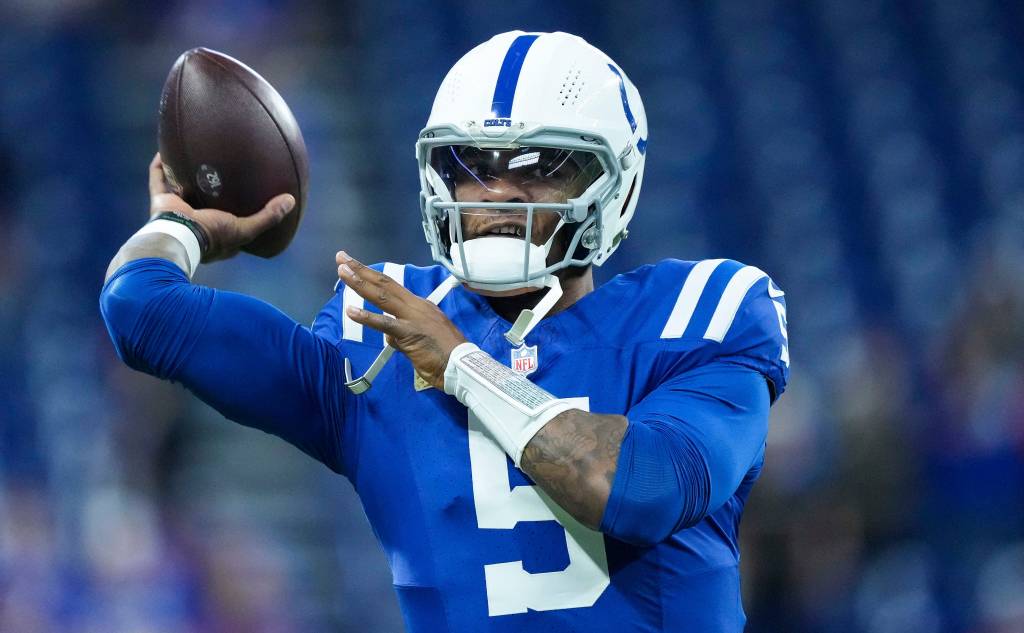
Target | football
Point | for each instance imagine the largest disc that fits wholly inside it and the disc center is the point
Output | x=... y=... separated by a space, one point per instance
x=229 y=141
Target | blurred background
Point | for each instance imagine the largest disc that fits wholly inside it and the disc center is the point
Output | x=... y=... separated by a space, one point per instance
x=869 y=154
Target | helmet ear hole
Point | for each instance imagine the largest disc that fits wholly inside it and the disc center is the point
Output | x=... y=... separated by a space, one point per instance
x=445 y=234
x=629 y=196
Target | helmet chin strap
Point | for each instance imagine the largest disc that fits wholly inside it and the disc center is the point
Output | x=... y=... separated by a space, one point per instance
x=529 y=318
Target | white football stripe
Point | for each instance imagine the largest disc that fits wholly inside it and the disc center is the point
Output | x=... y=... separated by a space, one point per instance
x=350 y=330
x=396 y=272
x=776 y=293
x=781 y=312
x=686 y=303
x=729 y=304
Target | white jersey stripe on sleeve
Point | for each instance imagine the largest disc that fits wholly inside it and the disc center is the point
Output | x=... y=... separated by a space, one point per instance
x=350 y=330
x=396 y=272
x=780 y=310
x=686 y=303
x=730 y=302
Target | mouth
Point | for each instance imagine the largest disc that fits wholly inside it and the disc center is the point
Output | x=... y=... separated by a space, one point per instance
x=503 y=229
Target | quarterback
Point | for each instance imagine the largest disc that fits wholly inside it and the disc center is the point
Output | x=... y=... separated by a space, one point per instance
x=541 y=454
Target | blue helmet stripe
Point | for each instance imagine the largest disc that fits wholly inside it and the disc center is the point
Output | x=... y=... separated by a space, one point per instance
x=641 y=144
x=625 y=101
x=508 y=76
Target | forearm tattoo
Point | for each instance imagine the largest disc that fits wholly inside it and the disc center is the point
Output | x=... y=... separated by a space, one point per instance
x=573 y=458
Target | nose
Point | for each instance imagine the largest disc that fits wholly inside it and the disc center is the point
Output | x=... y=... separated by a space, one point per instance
x=504 y=191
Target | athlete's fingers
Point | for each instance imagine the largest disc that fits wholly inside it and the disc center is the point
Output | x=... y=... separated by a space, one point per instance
x=374 y=285
x=362 y=282
x=157 y=185
x=362 y=270
x=380 y=322
x=268 y=217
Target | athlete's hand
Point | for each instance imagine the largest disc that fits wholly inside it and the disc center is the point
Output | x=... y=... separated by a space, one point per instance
x=226 y=233
x=417 y=328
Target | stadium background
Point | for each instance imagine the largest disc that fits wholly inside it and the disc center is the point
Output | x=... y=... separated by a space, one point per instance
x=869 y=154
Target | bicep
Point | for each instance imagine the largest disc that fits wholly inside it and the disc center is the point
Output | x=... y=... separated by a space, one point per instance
x=686 y=450
x=721 y=411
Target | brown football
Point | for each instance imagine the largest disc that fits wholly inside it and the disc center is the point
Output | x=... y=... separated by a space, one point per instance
x=228 y=141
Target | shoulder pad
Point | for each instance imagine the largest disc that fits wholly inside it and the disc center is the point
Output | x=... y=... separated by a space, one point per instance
x=736 y=307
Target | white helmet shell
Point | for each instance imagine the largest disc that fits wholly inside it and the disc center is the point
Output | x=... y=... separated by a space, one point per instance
x=547 y=90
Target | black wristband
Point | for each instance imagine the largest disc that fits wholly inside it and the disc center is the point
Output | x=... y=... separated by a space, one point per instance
x=197 y=230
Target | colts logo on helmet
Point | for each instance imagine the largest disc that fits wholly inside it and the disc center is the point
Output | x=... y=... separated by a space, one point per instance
x=524 y=360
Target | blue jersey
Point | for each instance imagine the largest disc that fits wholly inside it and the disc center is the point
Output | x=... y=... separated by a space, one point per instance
x=473 y=544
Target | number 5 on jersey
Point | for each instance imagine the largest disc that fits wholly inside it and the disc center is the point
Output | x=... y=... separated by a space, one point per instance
x=510 y=588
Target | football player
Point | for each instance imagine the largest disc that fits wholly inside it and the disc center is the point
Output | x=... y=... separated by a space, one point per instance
x=542 y=454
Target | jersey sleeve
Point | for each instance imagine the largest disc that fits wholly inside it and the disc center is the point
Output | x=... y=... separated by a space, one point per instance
x=328 y=322
x=720 y=309
x=688 y=446
x=240 y=355
x=756 y=337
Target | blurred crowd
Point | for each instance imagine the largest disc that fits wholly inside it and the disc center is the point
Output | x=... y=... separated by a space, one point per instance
x=869 y=155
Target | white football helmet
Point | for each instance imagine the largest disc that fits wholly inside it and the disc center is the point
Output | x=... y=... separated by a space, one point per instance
x=533 y=107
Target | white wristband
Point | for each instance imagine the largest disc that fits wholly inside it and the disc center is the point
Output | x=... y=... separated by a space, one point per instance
x=181 y=233
x=509 y=405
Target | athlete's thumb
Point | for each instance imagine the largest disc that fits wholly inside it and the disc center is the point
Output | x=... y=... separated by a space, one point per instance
x=269 y=216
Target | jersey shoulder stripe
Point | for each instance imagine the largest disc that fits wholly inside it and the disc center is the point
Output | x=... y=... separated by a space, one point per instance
x=736 y=308
x=689 y=295
x=778 y=298
x=729 y=303
x=709 y=299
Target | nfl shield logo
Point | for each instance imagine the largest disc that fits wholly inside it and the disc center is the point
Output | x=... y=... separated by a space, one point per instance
x=524 y=360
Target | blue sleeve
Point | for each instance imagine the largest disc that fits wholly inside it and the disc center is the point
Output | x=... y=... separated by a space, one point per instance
x=686 y=450
x=758 y=338
x=240 y=355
